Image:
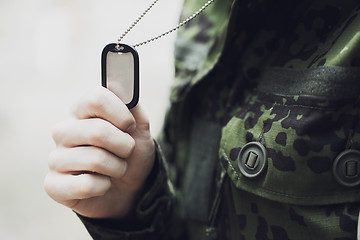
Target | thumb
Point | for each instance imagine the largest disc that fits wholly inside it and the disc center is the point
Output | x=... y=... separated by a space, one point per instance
x=142 y=121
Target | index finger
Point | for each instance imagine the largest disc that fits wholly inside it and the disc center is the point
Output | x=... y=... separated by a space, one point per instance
x=102 y=103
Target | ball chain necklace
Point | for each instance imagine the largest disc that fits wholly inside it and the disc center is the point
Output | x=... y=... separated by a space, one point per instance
x=120 y=62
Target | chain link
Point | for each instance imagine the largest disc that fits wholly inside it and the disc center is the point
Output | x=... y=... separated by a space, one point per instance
x=167 y=32
x=136 y=21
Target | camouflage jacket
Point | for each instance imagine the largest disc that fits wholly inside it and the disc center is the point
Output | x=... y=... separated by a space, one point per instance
x=262 y=138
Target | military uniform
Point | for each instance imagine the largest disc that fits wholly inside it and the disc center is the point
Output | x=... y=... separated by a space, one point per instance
x=262 y=138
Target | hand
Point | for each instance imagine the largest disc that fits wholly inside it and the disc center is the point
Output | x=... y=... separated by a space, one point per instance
x=103 y=157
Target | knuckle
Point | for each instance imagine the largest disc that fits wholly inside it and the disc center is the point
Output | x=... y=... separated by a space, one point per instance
x=86 y=188
x=98 y=136
x=121 y=170
x=53 y=160
x=50 y=186
x=58 y=132
x=90 y=104
x=127 y=119
x=91 y=186
x=98 y=161
x=129 y=146
x=75 y=108
x=97 y=102
x=61 y=130
x=47 y=185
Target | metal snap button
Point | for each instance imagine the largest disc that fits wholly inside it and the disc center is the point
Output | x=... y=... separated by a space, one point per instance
x=252 y=159
x=346 y=168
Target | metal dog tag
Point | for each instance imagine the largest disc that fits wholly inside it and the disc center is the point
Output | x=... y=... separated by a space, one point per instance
x=120 y=72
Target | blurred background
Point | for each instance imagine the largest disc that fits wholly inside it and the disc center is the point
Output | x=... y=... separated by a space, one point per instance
x=49 y=55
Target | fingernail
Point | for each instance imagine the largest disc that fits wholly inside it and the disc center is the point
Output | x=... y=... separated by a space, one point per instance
x=131 y=129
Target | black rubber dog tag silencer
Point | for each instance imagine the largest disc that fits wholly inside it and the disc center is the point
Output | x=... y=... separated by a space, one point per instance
x=120 y=72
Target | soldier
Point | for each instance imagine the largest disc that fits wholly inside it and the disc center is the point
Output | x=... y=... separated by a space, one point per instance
x=261 y=141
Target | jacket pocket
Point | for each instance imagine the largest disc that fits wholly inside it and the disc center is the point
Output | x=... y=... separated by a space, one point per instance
x=302 y=136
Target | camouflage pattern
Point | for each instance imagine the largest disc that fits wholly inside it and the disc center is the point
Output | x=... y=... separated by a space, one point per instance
x=220 y=101
x=297 y=197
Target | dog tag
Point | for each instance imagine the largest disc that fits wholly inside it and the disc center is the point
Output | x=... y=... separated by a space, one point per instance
x=120 y=72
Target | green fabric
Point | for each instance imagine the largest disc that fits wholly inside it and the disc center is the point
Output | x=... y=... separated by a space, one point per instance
x=260 y=218
x=222 y=62
x=200 y=170
x=199 y=45
x=303 y=133
x=299 y=166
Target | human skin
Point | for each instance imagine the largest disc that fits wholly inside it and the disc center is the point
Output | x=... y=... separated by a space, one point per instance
x=102 y=158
